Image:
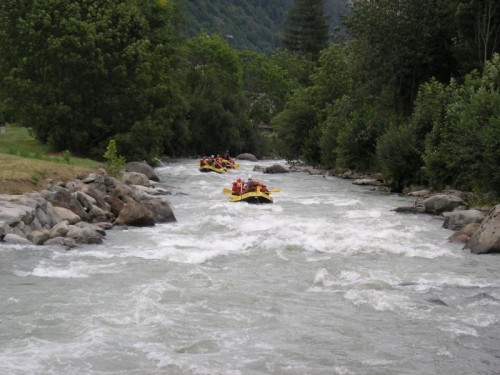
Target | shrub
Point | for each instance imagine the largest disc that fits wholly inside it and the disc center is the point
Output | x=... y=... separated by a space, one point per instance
x=114 y=163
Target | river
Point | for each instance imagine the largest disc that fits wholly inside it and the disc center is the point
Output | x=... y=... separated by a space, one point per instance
x=326 y=280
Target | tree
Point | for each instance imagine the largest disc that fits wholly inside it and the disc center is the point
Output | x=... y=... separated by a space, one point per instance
x=397 y=45
x=463 y=148
x=218 y=107
x=306 y=28
x=79 y=73
x=477 y=33
x=295 y=123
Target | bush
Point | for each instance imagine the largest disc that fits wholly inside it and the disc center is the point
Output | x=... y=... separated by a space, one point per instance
x=398 y=155
x=463 y=149
x=114 y=163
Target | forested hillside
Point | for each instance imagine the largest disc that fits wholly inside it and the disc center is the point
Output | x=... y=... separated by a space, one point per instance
x=248 y=25
x=413 y=91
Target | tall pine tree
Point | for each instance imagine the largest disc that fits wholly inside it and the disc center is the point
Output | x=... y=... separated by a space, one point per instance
x=306 y=29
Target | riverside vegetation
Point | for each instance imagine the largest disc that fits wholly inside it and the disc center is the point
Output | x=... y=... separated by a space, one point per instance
x=62 y=200
x=412 y=91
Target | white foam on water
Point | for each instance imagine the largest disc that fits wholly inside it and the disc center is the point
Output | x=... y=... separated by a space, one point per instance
x=234 y=288
x=379 y=300
x=458 y=329
x=480 y=319
x=71 y=270
x=446 y=278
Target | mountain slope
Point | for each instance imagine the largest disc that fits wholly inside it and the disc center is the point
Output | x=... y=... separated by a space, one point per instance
x=247 y=25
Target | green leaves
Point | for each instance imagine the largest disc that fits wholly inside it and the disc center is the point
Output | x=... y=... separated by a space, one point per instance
x=462 y=149
x=78 y=73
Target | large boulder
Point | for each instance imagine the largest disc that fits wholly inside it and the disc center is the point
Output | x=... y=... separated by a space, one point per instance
x=276 y=168
x=16 y=239
x=247 y=156
x=135 y=178
x=4 y=229
x=84 y=235
x=464 y=234
x=67 y=215
x=145 y=169
x=38 y=237
x=13 y=214
x=440 y=203
x=135 y=214
x=487 y=238
x=457 y=219
x=62 y=197
x=161 y=211
x=60 y=229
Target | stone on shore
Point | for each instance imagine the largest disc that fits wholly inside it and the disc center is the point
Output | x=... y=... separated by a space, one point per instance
x=143 y=168
x=464 y=234
x=247 y=156
x=276 y=168
x=486 y=239
x=80 y=211
x=437 y=204
x=457 y=219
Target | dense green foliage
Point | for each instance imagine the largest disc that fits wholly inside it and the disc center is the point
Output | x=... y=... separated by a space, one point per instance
x=79 y=73
x=398 y=98
x=413 y=90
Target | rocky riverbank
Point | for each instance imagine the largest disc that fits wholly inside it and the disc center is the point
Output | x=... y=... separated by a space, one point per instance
x=477 y=228
x=81 y=210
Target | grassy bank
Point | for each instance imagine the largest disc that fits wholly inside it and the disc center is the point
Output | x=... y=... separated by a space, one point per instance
x=27 y=165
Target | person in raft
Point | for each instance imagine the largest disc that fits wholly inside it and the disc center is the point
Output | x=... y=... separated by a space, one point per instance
x=218 y=163
x=238 y=187
x=255 y=185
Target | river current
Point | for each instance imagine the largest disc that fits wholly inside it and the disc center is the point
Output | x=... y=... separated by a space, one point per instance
x=326 y=280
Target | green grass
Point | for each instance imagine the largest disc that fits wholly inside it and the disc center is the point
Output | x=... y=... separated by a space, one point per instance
x=17 y=141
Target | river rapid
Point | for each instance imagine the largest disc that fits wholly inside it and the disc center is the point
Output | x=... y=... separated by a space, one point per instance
x=326 y=280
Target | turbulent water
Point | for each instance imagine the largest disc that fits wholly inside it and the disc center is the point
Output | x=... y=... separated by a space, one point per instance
x=326 y=280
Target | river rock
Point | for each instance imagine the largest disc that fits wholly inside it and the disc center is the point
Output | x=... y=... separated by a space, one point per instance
x=97 y=215
x=440 y=203
x=145 y=169
x=60 y=229
x=95 y=227
x=4 y=229
x=62 y=197
x=259 y=168
x=161 y=211
x=276 y=168
x=16 y=239
x=457 y=219
x=98 y=195
x=50 y=217
x=84 y=235
x=134 y=178
x=135 y=214
x=410 y=210
x=13 y=214
x=367 y=182
x=66 y=242
x=247 y=156
x=464 y=234
x=38 y=237
x=85 y=200
x=68 y=215
x=487 y=238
